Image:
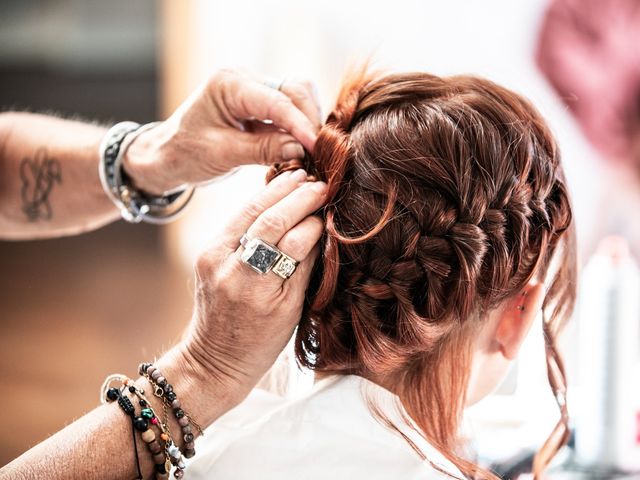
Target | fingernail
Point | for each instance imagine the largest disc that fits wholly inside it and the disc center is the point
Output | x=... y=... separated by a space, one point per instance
x=319 y=187
x=292 y=150
x=299 y=175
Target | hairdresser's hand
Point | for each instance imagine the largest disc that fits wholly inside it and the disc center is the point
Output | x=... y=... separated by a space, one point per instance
x=221 y=126
x=243 y=319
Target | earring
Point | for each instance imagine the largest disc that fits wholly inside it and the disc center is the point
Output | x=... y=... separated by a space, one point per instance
x=521 y=307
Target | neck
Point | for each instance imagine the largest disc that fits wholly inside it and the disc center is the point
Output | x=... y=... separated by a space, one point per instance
x=384 y=381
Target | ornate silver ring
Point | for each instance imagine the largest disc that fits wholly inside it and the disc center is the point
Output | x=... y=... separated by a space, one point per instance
x=263 y=258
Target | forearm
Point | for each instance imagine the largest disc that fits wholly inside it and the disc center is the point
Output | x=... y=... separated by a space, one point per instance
x=100 y=444
x=49 y=182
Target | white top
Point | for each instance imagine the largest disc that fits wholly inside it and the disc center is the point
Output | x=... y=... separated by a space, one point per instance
x=330 y=433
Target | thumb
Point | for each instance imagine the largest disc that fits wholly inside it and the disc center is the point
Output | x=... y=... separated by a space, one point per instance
x=262 y=148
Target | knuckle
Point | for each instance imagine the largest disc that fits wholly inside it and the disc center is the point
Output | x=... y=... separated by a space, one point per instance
x=251 y=299
x=216 y=79
x=203 y=266
x=225 y=286
x=252 y=210
x=316 y=223
x=294 y=246
x=281 y=102
x=298 y=91
x=222 y=78
x=229 y=281
x=264 y=149
x=274 y=223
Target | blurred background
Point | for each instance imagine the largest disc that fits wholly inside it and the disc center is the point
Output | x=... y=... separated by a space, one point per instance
x=73 y=310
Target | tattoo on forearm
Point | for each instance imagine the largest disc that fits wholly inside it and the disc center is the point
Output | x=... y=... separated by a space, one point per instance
x=39 y=174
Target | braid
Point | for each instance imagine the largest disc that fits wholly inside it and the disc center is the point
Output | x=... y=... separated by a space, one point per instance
x=446 y=197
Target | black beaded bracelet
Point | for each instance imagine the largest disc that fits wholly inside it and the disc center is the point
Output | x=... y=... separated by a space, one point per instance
x=112 y=395
x=162 y=455
x=164 y=390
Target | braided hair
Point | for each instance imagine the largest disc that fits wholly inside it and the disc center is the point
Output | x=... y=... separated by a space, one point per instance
x=446 y=198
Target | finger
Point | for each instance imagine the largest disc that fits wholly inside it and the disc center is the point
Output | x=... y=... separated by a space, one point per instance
x=300 y=240
x=296 y=286
x=275 y=191
x=248 y=99
x=303 y=95
x=276 y=221
x=241 y=148
x=297 y=243
x=256 y=126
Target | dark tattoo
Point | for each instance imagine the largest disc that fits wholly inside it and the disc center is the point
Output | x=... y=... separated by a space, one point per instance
x=39 y=175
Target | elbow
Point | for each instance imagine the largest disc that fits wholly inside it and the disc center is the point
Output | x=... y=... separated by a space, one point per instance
x=7 y=124
x=5 y=131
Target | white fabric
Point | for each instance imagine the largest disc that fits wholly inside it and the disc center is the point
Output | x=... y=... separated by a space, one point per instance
x=330 y=433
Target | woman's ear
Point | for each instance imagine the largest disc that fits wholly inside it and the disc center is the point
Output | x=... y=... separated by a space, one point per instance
x=517 y=317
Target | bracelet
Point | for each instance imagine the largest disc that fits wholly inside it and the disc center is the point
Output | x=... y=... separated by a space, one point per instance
x=135 y=205
x=165 y=451
x=112 y=395
x=163 y=389
x=164 y=454
x=148 y=416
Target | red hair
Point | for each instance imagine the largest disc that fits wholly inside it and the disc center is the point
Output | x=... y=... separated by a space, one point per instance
x=446 y=197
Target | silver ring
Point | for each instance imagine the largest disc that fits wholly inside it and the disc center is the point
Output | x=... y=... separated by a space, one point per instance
x=264 y=257
x=274 y=83
x=244 y=241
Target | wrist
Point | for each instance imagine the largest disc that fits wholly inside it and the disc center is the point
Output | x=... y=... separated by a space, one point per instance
x=205 y=396
x=142 y=162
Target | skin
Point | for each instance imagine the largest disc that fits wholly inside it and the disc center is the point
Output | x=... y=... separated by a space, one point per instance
x=497 y=343
x=49 y=184
x=235 y=335
x=500 y=338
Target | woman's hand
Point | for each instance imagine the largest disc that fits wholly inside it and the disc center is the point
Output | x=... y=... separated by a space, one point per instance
x=221 y=126
x=243 y=319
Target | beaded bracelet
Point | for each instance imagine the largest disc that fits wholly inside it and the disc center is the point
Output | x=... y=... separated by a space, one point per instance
x=113 y=394
x=163 y=456
x=173 y=453
x=164 y=390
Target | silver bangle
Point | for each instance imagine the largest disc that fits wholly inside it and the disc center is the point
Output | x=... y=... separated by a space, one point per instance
x=135 y=205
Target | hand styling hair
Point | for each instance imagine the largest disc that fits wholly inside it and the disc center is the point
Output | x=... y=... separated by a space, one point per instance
x=446 y=197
